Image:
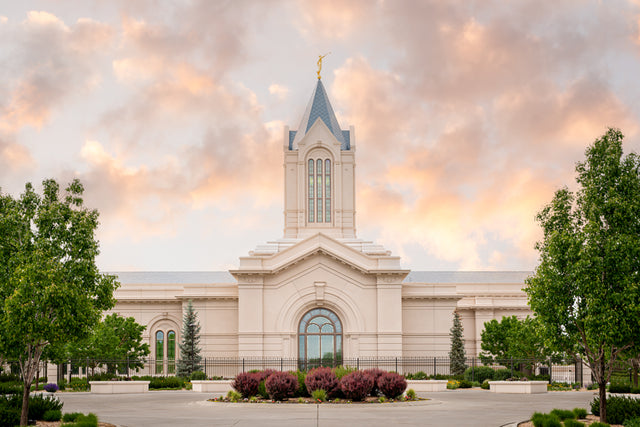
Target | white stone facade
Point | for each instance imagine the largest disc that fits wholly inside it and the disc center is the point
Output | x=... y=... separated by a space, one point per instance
x=383 y=309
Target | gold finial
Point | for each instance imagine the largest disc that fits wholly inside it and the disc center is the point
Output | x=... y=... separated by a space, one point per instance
x=320 y=57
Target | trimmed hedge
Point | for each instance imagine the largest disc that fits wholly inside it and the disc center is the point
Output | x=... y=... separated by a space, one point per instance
x=479 y=373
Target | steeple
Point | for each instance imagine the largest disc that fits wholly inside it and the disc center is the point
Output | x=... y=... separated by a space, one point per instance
x=319 y=107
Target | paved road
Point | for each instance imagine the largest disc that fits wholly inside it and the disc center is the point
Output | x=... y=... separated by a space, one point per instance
x=451 y=408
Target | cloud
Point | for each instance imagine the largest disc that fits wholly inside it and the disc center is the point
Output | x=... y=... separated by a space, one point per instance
x=278 y=90
x=53 y=63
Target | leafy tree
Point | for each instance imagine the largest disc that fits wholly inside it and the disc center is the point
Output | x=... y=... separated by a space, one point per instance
x=513 y=339
x=50 y=287
x=586 y=289
x=456 y=354
x=190 y=359
x=116 y=341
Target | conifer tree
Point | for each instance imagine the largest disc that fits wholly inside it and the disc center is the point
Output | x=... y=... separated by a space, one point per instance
x=190 y=359
x=456 y=355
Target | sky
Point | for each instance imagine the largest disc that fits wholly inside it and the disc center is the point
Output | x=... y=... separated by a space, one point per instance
x=468 y=116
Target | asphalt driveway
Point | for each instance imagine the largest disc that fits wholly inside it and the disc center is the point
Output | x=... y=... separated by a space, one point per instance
x=450 y=408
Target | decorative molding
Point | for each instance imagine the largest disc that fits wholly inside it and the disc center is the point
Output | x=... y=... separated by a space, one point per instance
x=320 y=287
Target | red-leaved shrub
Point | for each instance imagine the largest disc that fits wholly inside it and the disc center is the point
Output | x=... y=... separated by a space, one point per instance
x=263 y=375
x=374 y=373
x=356 y=385
x=246 y=384
x=281 y=385
x=322 y=378
x=392 y=385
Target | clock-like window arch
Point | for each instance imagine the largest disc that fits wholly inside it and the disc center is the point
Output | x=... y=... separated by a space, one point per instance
x=319 y=190
x=320 y=338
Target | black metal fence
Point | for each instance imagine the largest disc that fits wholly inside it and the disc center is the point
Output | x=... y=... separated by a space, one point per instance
x=229 y=367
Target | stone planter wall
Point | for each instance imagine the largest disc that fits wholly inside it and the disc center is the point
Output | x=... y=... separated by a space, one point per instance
x=427 y=385
x=518 y=387
x=212 y=386
x=118 y=387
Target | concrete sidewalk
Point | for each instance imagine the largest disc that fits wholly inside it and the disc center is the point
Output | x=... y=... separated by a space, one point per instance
x=451 y=408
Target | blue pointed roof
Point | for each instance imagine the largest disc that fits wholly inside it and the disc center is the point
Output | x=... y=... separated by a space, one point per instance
x=319 y=107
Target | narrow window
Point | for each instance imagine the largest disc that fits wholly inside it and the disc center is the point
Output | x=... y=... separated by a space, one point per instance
x=171 y=351
x=311 y=192
x=327 y=190
x=319 y=189
x=159 y=351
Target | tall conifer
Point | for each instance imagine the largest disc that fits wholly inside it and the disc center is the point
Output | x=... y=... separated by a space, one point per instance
x=190 y=359
x=457 y=355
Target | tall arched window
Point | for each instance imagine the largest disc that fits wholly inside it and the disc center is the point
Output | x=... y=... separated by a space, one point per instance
x=159 y=351
x=171 y=352
x=320 y=338
x=319 y=190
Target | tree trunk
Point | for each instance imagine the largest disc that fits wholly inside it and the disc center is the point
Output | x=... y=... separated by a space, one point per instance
x=603 y=400
x=24 y=415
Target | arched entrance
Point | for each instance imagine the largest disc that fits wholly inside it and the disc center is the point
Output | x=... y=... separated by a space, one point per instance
x=320 y=339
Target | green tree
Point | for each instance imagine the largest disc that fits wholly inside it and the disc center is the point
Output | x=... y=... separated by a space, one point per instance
x=50 y=286
x=116 y=341
x=513 y=339
x=586 y=289
x=457 y=356
x=190 y=359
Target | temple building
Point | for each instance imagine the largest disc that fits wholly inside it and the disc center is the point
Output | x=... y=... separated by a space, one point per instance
x=319 y=291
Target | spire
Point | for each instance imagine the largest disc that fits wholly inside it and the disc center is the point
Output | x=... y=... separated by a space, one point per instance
x=319 y=107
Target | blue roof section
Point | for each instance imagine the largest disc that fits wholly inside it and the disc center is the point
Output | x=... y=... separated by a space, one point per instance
x=319 y=107
x=292 y=136
x=210 y=277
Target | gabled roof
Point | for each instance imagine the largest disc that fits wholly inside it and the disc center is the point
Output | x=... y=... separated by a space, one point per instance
x=319 y=107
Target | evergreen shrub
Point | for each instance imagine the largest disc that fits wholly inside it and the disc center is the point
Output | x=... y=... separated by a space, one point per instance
x=504 y=374
x=319 y=394
x=197 y=376
x=619 y=408
x=52 y=415
x=392 y=385
x=357 y=385
x=580 y=413
x=485 y=385
x=322 y=378
x=619 y=388
x=479 y=373
x=341 y=371
x=563 y=414
x=281 y=385
x=633 y=422
x=40 y=404
x=9 y=388
x=301 y=391
x=420 y=375
x=545 y=420
x=246 y=384
x=465 y=384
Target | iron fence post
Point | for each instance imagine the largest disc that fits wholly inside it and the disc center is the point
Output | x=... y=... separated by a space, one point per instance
x=512 y=367
x=434 y=367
